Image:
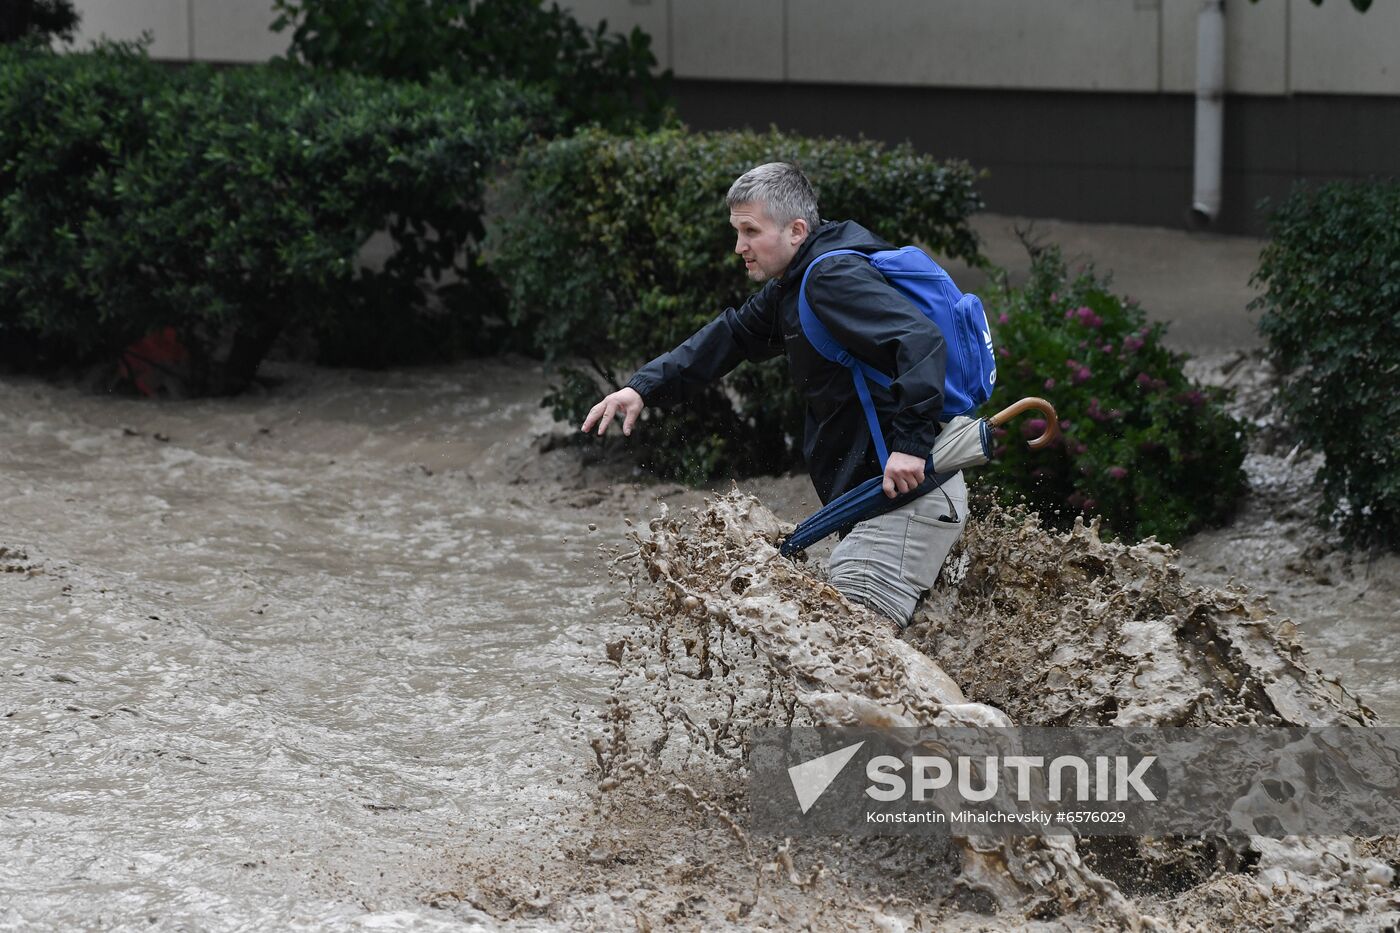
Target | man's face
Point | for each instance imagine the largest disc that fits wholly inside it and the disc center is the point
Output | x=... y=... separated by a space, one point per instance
x=766 y=246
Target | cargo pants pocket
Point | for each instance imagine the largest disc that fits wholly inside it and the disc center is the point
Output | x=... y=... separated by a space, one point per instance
x=927 y=541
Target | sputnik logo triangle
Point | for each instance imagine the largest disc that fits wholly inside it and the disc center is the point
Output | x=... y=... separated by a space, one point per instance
x=811 y=778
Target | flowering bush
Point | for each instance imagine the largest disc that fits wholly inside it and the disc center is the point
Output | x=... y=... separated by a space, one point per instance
x=1141 y=446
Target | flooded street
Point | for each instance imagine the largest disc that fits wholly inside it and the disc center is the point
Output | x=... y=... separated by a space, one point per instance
x=320 y=656
x=267 y=659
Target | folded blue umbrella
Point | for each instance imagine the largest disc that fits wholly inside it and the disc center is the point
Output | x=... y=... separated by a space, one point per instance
x=962 y=442
x=847 y=510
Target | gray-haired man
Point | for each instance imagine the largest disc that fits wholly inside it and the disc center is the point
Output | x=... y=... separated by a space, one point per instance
x=888 y=561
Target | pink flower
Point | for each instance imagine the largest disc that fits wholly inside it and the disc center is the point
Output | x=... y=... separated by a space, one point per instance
x=1144 y=380
x=1003 y=318
x=1117 y=472
x=1080 y=448
x=1082 y=375
x=1132 y=344
x=1107 y=348
x=1033 y=427
x=1004 y=353
x=1088 y=318
x=1054 y=297
x=1090 y=505
x=1050 y=383
x=1193 y=398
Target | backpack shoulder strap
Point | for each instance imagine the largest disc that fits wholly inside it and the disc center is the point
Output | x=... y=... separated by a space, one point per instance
x=830 y=348
x=817 y=334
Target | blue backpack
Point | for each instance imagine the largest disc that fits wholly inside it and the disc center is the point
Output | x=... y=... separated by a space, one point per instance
x=971 y=370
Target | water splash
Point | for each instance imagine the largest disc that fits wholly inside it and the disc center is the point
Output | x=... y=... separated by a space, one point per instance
x=1028 y=627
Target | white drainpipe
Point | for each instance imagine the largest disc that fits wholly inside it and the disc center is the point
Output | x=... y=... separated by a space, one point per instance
x=1210 y=110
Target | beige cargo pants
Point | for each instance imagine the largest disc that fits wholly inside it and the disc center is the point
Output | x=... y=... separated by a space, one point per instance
x=887 y=562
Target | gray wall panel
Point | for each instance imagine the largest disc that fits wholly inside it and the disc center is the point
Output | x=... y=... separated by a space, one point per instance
x=1070 y=44
x=1377 y=138
x=166 y=20
x=730 y=39
x=236 y=32
x=1335 y=50
x=1106 y=157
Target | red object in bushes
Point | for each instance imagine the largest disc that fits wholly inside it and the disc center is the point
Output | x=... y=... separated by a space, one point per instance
x=154 y=361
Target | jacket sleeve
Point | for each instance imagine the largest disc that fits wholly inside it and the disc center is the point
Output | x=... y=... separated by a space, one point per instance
x=750 y=333
x=885 y=330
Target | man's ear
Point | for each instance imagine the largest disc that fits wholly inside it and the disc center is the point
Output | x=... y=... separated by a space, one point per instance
x=799 y=230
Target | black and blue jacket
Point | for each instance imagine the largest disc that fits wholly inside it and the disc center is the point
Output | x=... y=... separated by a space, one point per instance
x=861 y=310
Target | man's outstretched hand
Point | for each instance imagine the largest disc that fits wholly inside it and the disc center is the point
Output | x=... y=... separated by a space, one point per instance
x=903 y=472
x=626 y=402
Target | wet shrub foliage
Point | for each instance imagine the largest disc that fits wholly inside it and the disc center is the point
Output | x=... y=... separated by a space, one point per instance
x=618 y=248
x=231 y=206
x=1330 y=275
x=591 y=75
x=1141 y=446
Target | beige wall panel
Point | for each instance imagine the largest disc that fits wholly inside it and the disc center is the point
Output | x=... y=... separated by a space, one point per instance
x=166 y=20
x=735 y=39
x=237 y=32
x=1065 y=44
x=1335 y=50
x=1256 y=46
x=622 y=15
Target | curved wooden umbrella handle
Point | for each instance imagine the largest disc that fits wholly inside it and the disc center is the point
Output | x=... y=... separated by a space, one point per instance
x=1031 y=403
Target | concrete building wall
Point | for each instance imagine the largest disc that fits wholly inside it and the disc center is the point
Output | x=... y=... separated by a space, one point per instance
x=1088 y=45
x=1344 y=54
x=1257 y=45
x=234 y=31
x=1135 y=46
x=1079 y=109
x=168 y=22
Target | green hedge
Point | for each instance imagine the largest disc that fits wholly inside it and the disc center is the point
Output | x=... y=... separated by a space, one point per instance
x=592 y=75
x=1142 y=446
x=1331 y=279
x=616 y=249
x=231 y=205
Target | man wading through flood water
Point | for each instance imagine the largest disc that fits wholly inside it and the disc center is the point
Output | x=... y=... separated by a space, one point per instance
x=885 y=562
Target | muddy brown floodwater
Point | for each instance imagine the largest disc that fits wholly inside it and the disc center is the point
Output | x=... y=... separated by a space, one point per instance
x=348 y=653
